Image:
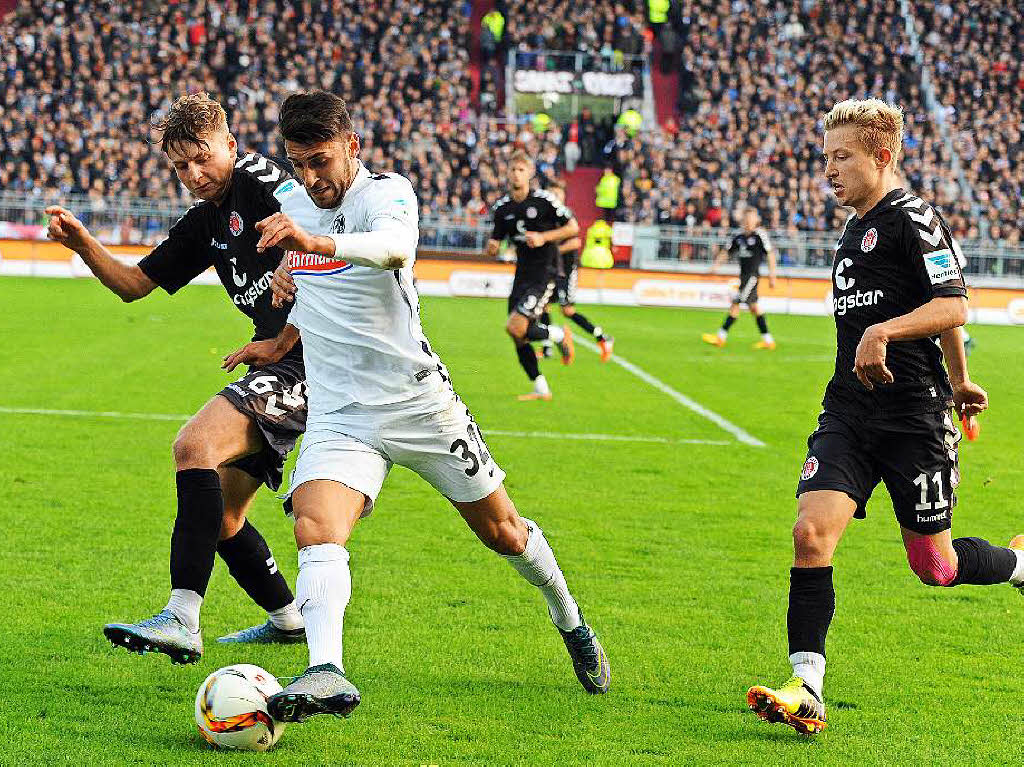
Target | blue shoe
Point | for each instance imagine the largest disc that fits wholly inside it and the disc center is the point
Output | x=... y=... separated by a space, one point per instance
x=162 y=633
x=589 y=660
x=265 y=633
x=321 y=689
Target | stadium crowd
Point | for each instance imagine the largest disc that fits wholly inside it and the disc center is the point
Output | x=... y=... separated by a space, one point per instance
x=973 y=50
x=755 y=77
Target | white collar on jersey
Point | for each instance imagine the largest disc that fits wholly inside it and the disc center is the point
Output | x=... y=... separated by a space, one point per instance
x=362 y=176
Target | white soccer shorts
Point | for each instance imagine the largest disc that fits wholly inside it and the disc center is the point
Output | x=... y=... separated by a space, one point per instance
x=433 y=434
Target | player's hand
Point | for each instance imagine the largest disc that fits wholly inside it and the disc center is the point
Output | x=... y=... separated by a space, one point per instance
x=255 y=354
x=282 y=286
x=280 y=231
x=65 y=228
x=869 y=364
x=534 y=239
x=969 y=399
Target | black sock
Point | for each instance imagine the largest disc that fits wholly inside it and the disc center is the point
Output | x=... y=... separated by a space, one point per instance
x=812 y=603
x=537 y=332
x=196 y=528
x=729 y=319
x=762 y=324
x=528 y=359
x=584 y=323
x=981 y=563
x=250 y=563
x=545 y=318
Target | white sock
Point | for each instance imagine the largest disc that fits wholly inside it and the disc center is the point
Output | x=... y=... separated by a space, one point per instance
x=185 y=604
x=322 y=591
x=809 y=666
x=723 y=333
x=556 y=334
x=767 y=338
x=1018 y=572
x=287 y=618
x=540 y=385
x=538 y=566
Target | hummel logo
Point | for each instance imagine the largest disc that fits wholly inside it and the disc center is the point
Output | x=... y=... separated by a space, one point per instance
x=932 y=238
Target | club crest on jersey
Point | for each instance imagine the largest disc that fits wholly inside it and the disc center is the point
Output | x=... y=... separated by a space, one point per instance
x=338 y=225
x=315 y=264
x=235 y=223
x=810 y=468
x=531 y=212
x=867 y=244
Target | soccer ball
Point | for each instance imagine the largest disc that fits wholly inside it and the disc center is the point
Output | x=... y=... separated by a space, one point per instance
x=231 y=708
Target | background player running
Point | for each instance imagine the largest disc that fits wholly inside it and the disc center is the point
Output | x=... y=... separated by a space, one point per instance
x=378 y=395
x=240 y=438
x=752 y=246
x=536 y=222
x=897 y=286
x=565 y=286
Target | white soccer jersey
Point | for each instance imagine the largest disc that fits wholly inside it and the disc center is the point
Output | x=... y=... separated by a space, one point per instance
x=361 y=335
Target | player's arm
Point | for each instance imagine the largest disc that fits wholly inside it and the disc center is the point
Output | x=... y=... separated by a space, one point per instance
x=969 y=398
x=261 y=353
x=129 y=283
x=387 y=247
x=722 y=254
x=566 y=231
x=573 y=243
x=934 y=318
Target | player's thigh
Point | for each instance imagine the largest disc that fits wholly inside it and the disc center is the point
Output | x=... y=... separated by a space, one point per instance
x=325 y=512
x=444 y=445
x=334 y=456
x=218 y=433
x=920 y=469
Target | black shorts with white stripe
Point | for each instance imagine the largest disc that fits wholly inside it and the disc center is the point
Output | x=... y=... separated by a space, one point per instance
x=530 y=298
x=747 y=294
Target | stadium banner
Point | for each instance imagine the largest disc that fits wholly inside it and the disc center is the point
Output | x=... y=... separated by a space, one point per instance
x=610 y=84
x=624 y=287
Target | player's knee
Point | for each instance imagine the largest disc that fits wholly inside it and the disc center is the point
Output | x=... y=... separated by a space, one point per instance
x=231 y=522
x=505 y=537
x=190 y=451
x=811 y=539
x=516 y=329
x=929 y=563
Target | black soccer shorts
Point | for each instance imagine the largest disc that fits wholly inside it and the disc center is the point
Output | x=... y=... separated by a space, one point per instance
x=565 y=287
x=274 y=397
x=914 y=455
x=747 y=294
x=530 y=299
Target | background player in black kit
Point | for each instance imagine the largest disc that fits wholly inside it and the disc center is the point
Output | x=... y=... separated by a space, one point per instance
x=565 y=286
x=898 y=287
x=536 y=222
x=241 y=437
x=752 y=247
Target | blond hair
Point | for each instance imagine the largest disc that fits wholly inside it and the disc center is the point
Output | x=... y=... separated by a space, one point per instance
x=880 y=124
x=520 y=155
x=190 y=120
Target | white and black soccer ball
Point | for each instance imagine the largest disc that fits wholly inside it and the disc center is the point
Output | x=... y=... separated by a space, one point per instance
x=231 y=708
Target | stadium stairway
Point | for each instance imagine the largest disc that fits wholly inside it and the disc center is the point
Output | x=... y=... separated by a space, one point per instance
x=479 y=9
x=665 y=86
x=579 y=193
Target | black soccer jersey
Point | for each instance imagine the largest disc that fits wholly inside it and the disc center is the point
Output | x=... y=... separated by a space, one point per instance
x=223 y=235
x=896 y=258
x=539 y=211
x=752 y=247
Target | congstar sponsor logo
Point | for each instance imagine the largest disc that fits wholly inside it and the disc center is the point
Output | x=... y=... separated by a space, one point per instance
x=257 y=289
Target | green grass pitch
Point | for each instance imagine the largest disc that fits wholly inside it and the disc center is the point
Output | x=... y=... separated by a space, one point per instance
x=678 y=552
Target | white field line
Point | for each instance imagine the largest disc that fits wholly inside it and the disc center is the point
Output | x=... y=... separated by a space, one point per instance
x=682 y=399
x=178 y=418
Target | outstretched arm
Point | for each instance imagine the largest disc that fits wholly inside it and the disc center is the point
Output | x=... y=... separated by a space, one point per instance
x=127 y=282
